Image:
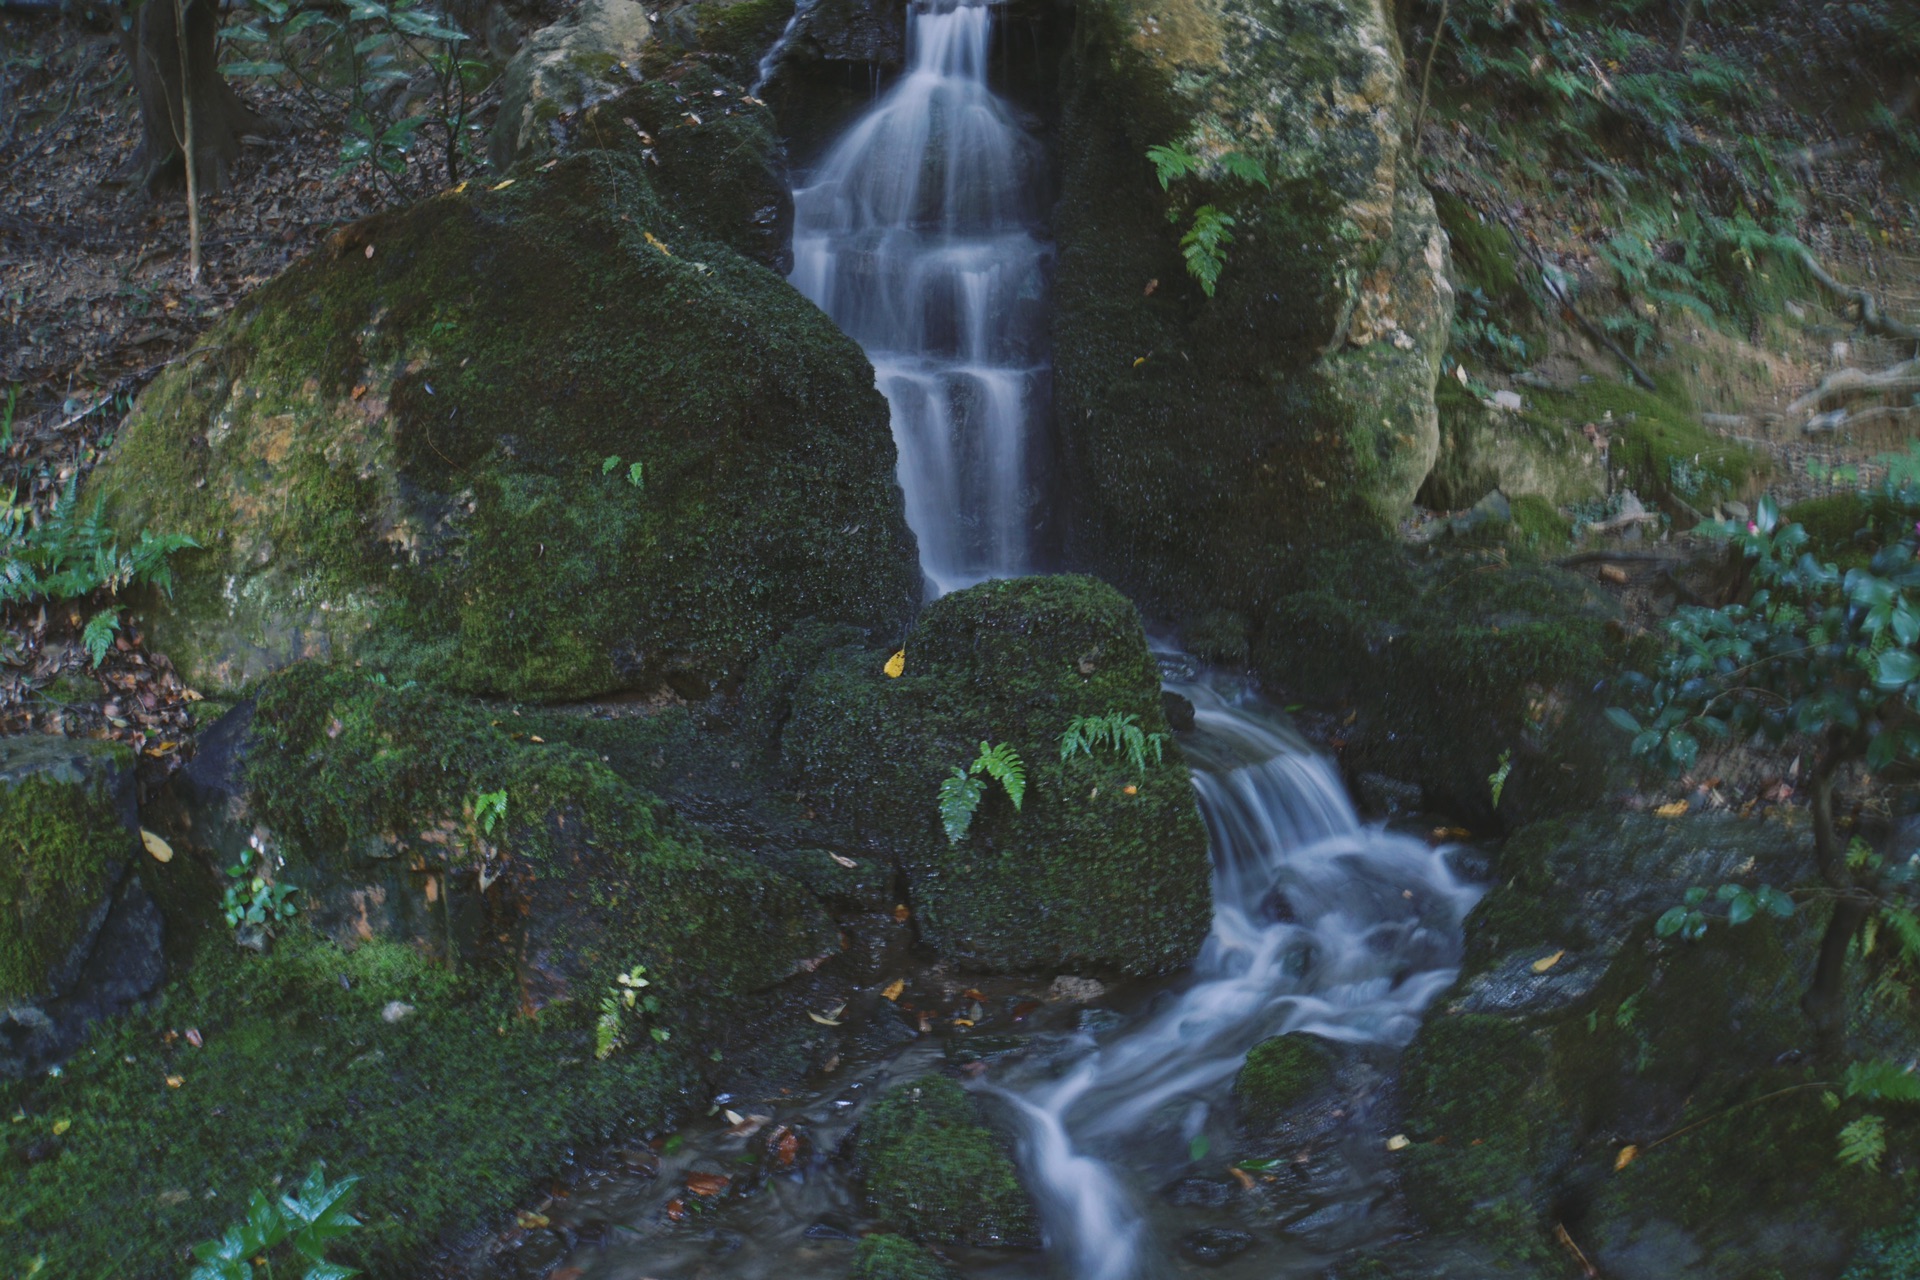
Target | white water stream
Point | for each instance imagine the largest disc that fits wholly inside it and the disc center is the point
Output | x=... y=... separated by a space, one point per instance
x=917 y=234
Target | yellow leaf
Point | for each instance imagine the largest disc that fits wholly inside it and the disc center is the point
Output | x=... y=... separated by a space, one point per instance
x=655 y=242
x=174 y=1082
x=191 y=695
x=1625 y=1158
x=160 y=849
x=895 y=665
x=1398 y=1142
x=822 y=1019
x=1138 y=361
x=1545 y=963
x=61 y=1126
x=894 y=988
x=502 y=186
x=1673 y=810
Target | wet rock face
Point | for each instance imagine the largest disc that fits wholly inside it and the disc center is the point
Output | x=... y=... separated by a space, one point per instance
x=591 y=53
x=1205 y=435
x=80 y=937
x=931 y=1169
x=1104 y=864
x=546 y=441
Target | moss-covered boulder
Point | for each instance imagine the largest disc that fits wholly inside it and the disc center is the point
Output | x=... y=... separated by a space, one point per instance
x=79 y=935
x=1280 y=1073
x=1104 y=863
x=368 y=798
x=1205 y=436
x=544 y=440
x=884 y=1256
x=590 y=53
x=931 y=1169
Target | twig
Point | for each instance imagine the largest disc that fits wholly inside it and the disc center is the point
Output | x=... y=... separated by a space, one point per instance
x=1426 y=75
x=1871 y=318
x=1750 y=1102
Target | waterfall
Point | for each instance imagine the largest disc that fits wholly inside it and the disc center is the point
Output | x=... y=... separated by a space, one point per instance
x=1321 y=923
x=918 y=234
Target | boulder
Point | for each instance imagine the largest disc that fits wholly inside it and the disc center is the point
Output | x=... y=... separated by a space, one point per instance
x=1204 y=436
x=591 y=53
x=367 y=798
x=545 y=440
x=933 y=1171
x=80 y=938
x=1280 y=1073
x=1103 y=865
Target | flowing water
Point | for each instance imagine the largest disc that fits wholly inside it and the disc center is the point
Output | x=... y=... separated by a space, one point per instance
x=918 y=234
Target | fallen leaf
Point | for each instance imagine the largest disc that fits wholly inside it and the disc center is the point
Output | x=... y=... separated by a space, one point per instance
x=1398 y=1142
x=1625 y=1158
x=750 y=1125
x=843 y=860
x=174 y=1082
x=786 y=1146
x=1545 y=963
x=1151 y=286
x=160 y=849
x=822 y=1019
x=501 y=186
x=733 y=1117
x=893 y=989
x=1244 y=1178
x=1130 y=790
x=1673 y=810
x=529 y=1220
x=61 y=1126
x=901 y=913
x=676 y=1210
x=369 y=251
x=707 y=1184
x=532 y=737
x=896 y=664
x=1138 y=361
x=193 y=1037
x=655 y=242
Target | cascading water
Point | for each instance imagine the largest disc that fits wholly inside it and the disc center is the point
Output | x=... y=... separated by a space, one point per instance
x=917 y=234
x=1321 y=923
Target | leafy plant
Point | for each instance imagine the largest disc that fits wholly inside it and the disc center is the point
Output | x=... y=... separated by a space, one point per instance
x=1863 y=1141
x=68 y=556
x=1204 y=246
x=1204 y=243
x=489 y=810
x=97 y=636
x=306 y=1221
x=963 y=790
x=1743 y=904
x=1497 y=780
x=623 y=1005
x=1116 y=731
x=636 y=472
x=253 y=900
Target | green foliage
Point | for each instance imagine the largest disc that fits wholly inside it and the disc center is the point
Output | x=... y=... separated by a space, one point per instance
x=933 y=1171
x=97 y=636
x=388 y=68
x=1877 y=1080
x=636 y=472
x=1743 y=904
x=1117 y=731
x=1497 y=780
x=624 y=1007
x=884 y=1256
x=490 y=809
x=252 y=900
x=69 y=555
x=1204 y=243
x=307 y=1221
x=1864 y=1141
x=962 y=791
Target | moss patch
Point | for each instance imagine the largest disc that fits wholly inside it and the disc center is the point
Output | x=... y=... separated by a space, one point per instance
x=933 y=1170
x=63 y=843
x=398 y=454
x=889 y=1257
x=453 y=1110
x=1279 y=1073
x=1105 y=865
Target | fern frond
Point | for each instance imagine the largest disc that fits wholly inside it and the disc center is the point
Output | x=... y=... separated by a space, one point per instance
x=960 y=795
x=1905 y=927
x=97 y=637
x=1863 y=1142
x=1003 y=764
x=1878 y=1080
x=1172 y=162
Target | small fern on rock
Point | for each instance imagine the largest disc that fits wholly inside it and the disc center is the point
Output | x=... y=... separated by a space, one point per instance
x=962 y=791
x=1116 y=731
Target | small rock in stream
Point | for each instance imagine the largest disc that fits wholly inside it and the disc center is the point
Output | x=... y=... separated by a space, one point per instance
x=1211 y=1246
x=1200 y=1193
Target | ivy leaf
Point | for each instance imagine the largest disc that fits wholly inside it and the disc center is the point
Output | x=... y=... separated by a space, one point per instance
x=1896 y=669
x=1623 y=719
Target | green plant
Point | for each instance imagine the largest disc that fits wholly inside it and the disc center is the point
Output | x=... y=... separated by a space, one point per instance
x=1204 y=243
x=253 y=900
x=636 y=472
x=962 y=791
x=67 y=556
x=307 y=1221
x=490 y=809
x=1497 y=780
x=1116 y=731
x=1742 y=903
x=97 y=636
x=622 y=1004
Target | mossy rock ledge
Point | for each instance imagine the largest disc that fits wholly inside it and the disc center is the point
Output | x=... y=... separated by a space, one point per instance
x=1280 y=1073
x=79 y=933
x=547 y=440
x=932 y=1170
x=1203 y=437
x=1104 y=866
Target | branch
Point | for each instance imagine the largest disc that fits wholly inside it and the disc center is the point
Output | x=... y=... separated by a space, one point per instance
x=1870 y=317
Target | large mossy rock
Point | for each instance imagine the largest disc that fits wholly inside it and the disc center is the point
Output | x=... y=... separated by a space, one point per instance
x=1523 y=1093
x=931 y=1169
x=364 y=797
x=591 y=53
x=79 y=935
x=546 y=441
x=1205 y=437
x=1104 y=865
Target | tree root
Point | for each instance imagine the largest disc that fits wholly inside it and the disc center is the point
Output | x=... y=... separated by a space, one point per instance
x=1871 y=318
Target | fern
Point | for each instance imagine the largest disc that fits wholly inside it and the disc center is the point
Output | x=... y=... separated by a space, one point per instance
x=1902 y=924
x=68 y=555
x=1863 y=1142
x=1246 y=168
x=1204 y=246
x=1171 y=163
x=98 y=635
x=1003 y=764
x=1115 y=730
x=1878 y=1080
x=960 y=795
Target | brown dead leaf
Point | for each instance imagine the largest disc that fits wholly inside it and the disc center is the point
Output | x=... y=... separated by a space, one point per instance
x=893 y=989
x=707 y=1184
x=1241 y=1176
x=1626 y=1156
x=901 y=914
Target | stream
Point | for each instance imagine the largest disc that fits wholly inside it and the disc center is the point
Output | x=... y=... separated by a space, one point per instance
x=921 y=234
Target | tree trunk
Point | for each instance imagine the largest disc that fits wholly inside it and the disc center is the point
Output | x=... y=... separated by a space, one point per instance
x=166 y=74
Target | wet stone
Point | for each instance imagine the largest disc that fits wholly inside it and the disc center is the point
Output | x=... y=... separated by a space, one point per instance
x=831 y=1229
x=1212 y=1246
x=1200 y=1193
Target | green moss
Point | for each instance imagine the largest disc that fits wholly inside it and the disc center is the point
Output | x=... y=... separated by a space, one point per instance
x=1892 y=1253
x=1658 y=441
x=63 y=841
x=399 y=456
x=890 y=1257
x=1104 y=866
x=352 y=773
x=448 y=1114
x=931 y=1169
x=1539 y=526
x=1279 y=1073
x=1483 y=254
